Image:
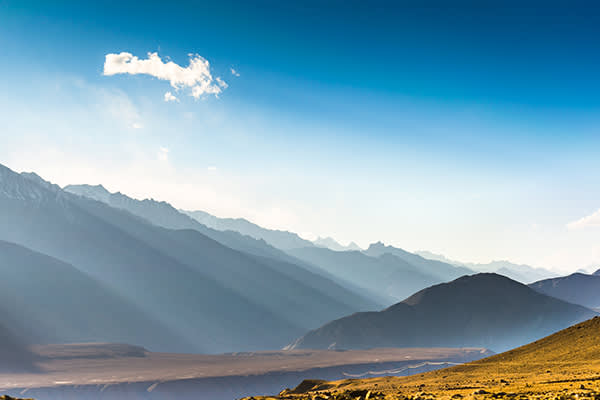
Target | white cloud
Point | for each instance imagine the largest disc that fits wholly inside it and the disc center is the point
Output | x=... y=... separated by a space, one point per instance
x=212 y=168
x=196 y=75
x=222 y=83
x=234 y=72
x=163 y=154
x=170 y=97
x=137 y=125
x=592 y=220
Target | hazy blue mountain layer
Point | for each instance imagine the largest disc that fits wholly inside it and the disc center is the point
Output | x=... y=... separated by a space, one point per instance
x=387 y=274
x=576 y=288
x=183 y=279
x=163 y=214
x=283 y=240
x=49 y=301
x=14 y=354
x=518 y=272
x=440 y=270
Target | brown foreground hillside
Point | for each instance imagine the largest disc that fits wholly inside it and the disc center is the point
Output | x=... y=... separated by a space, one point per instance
x=565 y=365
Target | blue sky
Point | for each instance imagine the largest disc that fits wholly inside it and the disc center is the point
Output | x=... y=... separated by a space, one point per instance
x=468 y=130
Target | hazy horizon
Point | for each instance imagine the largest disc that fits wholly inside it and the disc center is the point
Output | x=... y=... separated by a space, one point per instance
x=420 y=130
x=313 y=237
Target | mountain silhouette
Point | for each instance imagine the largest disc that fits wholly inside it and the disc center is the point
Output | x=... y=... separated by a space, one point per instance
x=482 y=310
x=576 y=288
x=214 y=297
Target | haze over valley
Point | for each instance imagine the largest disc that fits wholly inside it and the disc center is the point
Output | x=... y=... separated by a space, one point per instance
x=299 y=200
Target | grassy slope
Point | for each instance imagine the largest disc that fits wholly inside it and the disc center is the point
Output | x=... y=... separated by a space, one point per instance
x=565 y=365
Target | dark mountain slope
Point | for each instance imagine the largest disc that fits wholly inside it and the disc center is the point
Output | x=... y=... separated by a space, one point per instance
x=387 y=275
x=48 y=301
x=597 y=273
x=576 y=288
x=483 y=310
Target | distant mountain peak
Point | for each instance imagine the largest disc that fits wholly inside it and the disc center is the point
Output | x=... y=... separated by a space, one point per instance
x=26 y=186
x=330 y=243
x=353 y=246
x=597 y=273
x=381 y=247
x=96 y=192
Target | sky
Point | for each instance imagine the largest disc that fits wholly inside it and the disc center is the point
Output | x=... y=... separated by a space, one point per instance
x=470 y=131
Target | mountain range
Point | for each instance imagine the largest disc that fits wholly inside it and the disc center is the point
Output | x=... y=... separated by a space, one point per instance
x=359 y=272
x=213 y=297
x=482 y=310
x=281 y=239
x=442 y=270
x=163 y=214
x=387 y=276
x=519 y=272
x=143 y=272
